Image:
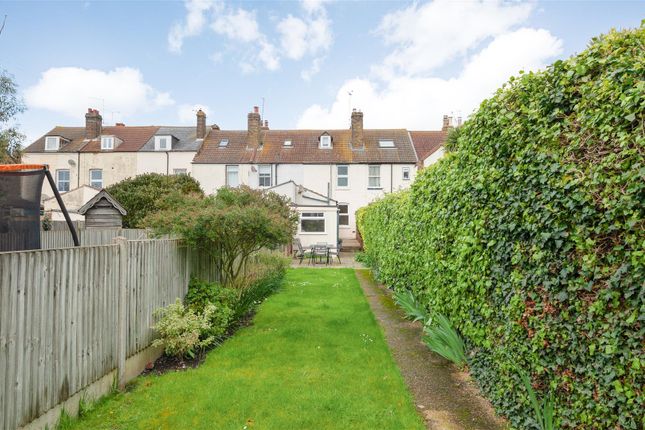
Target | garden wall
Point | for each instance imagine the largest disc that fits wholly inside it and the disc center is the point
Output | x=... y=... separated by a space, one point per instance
x=70 y=316
x=530 y=237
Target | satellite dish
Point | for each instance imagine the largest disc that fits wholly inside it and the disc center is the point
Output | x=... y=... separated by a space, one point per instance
x=71 y=162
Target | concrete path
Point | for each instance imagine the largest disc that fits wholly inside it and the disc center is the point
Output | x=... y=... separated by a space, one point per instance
x=444 y=396
x=347 y=260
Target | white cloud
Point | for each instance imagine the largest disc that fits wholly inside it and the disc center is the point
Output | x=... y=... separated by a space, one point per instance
x=71 y=90
x=187 y=113
x=298 y=37
x=417 y=102
x=192 y=25
x=429 y=35
x=309 y=73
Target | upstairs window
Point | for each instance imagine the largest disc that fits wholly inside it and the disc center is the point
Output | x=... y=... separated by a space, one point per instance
x=223 y=143
x=312 y=222
x=162 y=143
x=96 y=178
x=107 y=143
x=264 y=172
x=325 y=141
x=62 y=180
x=288 y=143
x=179 y=172
x=232 y=176
x=343 y=214
x=406 y=173
x=342 y=176
x=374 y=177
x=386 y=143
x=52 y=143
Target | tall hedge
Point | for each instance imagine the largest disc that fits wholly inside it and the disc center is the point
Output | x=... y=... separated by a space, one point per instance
x=530 y=237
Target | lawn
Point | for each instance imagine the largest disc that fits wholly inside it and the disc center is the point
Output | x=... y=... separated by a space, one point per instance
x=314 y=358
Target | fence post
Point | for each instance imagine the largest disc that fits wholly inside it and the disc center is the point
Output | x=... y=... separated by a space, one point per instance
x=122 y=288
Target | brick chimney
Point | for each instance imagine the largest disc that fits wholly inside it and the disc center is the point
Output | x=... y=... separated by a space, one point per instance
x=265 y=125
x=357 y=130
x=93 y=124
x=200 y=131
x=446 y=123
x=253 y=131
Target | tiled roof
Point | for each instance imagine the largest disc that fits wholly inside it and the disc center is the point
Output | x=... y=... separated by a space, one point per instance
x=185 y=139
x=427 y=142
x=133 y=139
x=305 y=148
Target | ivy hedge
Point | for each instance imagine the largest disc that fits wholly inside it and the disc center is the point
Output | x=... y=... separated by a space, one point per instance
x=529 y=236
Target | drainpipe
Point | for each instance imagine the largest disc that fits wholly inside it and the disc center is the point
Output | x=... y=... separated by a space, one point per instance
x=78 y=169
x=391 y=177
x=167 y=163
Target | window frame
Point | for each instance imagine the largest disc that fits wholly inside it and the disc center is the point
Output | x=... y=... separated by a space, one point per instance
x=288 y=143
x=93 y=180
x=59 y=181
x=343 y=214
x=405 y=170
x=226 y=173
x=343 y=176
x=107 y=139
x=158 y=143
x=181 y=172
x=370 y=176
x=56 y=139
x=327 y=139
x=261 y=174
x=386 y=143
x=223 y=143
x=312 y=216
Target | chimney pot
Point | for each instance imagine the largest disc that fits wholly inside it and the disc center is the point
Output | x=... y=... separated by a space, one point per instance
x=446 y=123
x=120 y=124
x=200 y=131
x=357 y=130
x=253 y=129
x=93 y=124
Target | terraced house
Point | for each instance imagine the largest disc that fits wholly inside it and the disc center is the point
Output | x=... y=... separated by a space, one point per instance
x=334 y=171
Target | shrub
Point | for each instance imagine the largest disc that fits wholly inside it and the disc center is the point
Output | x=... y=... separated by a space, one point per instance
x=182 y=331
x=231 y=226
x=202 y=294
x=529 y=236
x=151 y=192
x=443 y=339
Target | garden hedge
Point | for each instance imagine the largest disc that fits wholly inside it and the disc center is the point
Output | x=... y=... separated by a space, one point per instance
x=529 y=236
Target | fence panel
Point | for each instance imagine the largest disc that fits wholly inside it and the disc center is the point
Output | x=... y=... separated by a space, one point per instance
x=51 y=344
x=59 y=310
x=89 y=237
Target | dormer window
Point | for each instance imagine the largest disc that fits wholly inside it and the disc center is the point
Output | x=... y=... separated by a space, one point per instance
x=386 y=143
x=52 y=143
x=288 y=143
x=223 y=143
x=325 y=141
x=163 y=143
x=107 y=143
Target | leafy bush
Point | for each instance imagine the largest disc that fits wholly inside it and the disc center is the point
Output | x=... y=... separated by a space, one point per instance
x=151 y=192
x=530 y=237
x=182 y=331
x=231 y=226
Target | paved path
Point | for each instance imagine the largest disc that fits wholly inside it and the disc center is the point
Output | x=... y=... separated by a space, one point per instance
x=444 y=396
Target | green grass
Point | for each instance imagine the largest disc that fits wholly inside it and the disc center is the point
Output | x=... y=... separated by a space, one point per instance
x=315 y=358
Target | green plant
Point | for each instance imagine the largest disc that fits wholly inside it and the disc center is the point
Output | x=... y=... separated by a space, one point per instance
x=145 y=194
x=410 y=305
x=11 y=104
x=543 y=412
x=529 y=235
x=231 y=226
x=183 y=332
x=202 y=294
x=443 y=339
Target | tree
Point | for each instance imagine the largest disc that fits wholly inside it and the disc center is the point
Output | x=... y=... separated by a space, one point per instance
x=10 y=105
x=147 y=193
x=230 y=226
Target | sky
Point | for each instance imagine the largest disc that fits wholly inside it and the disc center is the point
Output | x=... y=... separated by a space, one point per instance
x=307 y=63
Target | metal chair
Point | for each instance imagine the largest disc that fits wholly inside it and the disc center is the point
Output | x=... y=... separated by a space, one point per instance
x=322 y=252
x=300 y=252
x=335 y=252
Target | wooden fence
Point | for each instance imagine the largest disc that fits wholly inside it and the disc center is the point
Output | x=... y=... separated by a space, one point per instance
x=70 y=316
x=88 y=237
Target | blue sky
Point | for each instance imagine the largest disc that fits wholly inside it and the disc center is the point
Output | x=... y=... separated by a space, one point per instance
x=404 y=63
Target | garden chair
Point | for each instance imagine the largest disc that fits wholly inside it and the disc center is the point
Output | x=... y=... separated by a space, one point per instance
x=320 y=252
x=300 y=252
x=335 y=252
